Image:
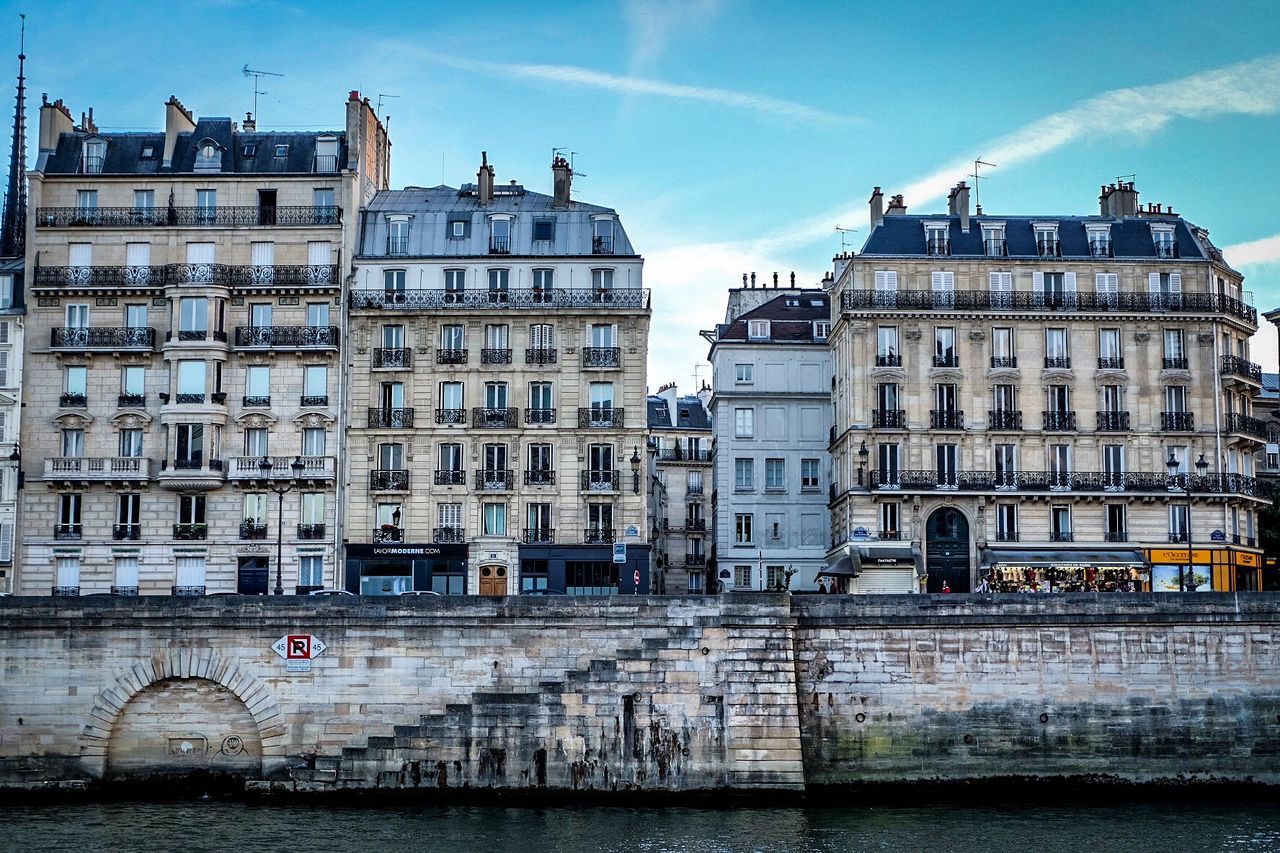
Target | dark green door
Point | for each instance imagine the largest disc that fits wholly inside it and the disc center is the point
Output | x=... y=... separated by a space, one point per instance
x=947 y=544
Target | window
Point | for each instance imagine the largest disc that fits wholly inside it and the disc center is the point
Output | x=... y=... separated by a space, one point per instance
x=1006 y=522
x=889 y=519
x=744 y=423
x=257 y=384
x=538 y=520
x=1177 y=523
x=451 y=396
x=500 y=235
x=189 y=446
x=144 y=200
x=1055 y=348
x=539 y=457
x=450 y=457
x=310 y=570
x=260 y=314
x=1113 y=398
x=68 y=572
x=993 y=239
x=758 y=330
x=452 y=337
x=322 y=197
x=601 y=396
x=888 y=457
x=193 y=314
x=1107 y=285
x=742 y=577
x=317 y=314
x=1002 y=353
x=742 y=529
x=282 y=151
x=189 y=572
x=534 y=574
x=1005 y=457
x=78 y=381
x=77 y=316
x=499 y=280
x=602 y=236
x=943 y=288
x=540 y=397
x=6 y=291
x=126 y=573
x=459 y=228
x=821 y=329
x=455 y=282
x=1059 y=465
x=312 y=508
x=191 y=509
x=398 y=236
x=87 y=201
x=1109 y=349
x=255 y=508
x=1163 y=239
x=1099 y=240
x=887 y=352
x=495 y=395
x=947 y=458
x=69 y=515
x=1113 y=465
x=130 y=445
x=255 y=441
x=775 y=475
x=1046 y=240
x=810 y=478
x=133 y=381
x=391 y=457
x=73 y=443
x=496 y=336
x=604 y=335
x=1175 y=398
x=316 y=382
x=744 y=474
x=544 y=230
x=744 y=373
x=1060 y=524
x=944 y=347
x=207 y=204
x=1174 y=354
x=935 y=236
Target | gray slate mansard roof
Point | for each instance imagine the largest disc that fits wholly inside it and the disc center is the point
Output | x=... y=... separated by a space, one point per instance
x=431 y=209
x=787 y=323
x=904 y=235
x=124 y=151
x=690 y=414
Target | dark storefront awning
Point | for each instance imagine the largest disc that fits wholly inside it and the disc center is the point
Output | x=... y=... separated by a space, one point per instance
x=841 y=568
x=886 y=556
x=1036 y=559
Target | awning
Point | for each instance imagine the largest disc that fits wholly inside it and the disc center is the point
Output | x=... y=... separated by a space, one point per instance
x=886 y=556
x=1037 y=559
x=841 y=568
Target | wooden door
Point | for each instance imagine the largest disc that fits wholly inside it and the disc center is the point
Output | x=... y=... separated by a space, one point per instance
x=493 y=580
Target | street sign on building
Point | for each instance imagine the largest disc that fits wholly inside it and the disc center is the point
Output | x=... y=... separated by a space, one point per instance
x=619 y=552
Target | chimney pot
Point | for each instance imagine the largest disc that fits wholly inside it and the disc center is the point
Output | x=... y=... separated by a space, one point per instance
x=775 y=281
x=753 y=279
x=877 y=207
x=484 y=180
x=561 y=181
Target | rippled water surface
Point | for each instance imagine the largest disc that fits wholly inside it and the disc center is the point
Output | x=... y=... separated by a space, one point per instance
x=196 y=827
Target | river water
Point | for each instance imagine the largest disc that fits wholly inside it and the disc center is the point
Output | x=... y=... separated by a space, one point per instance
x=213 y=826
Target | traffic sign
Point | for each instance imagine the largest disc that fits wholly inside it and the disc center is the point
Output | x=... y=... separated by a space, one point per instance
x=619 y=552
x=298 y=650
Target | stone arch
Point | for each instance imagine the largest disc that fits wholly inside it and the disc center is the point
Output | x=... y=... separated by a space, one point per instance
x=183 y=663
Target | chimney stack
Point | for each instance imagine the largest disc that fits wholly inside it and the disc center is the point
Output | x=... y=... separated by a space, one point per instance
x=249 y=124
x=55 y=120
x=897 y=207
x=561 y=179
x=484 y=180
x=177 y=119
x=958 y=204
x=1119 y=200
x=877 y=207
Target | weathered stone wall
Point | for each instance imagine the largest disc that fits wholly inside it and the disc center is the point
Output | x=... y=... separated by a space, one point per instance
x=747 y=691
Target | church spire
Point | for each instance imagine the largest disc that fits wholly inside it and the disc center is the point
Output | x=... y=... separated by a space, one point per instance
x=13 y=230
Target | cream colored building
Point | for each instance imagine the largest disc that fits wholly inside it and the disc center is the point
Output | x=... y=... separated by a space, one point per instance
x=1009 y=390
x=498 y=342
x=680 y=486
x=184 y=361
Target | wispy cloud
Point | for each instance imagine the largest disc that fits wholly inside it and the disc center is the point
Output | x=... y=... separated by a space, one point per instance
x=1264 y=251
x=634 y=85
x=652 y=24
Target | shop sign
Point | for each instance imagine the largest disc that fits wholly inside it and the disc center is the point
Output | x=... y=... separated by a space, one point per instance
x=1179 y=555
x=1244 y=558
x=298 y=650
x=1218 y=536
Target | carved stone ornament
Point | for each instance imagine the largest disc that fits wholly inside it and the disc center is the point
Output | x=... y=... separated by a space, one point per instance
x=912 y=335
x=1141 y=337
x=312 y=420
x=977 y=336
x=1205 y=339
x=130 y=422
x=255 y=421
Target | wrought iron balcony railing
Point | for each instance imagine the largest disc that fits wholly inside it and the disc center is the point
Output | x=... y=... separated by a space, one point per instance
x=539 y=535
x=400 y=358
x=388 y=480
x=451 y=477
x=65 y=591
x=539 y=416
x=488 y=418
x=1116 y=536
x=103 y=337
x=255 y=401
x=1246 y=425
x=682 y=454
x=132 y=401
x=1113 y=421
x=388 y=533
x=293 y=337
x=492 y=480
x=1004 y=419
x=597 y=536
x=253 y=530
x=125 y=591
x=1061 y=536
x=1059 y=421
x=190 y=531
x=599 y=481
x=695 y=559
x=390 y=418
x=889 y=418
x=314 y=400
x=72 y=401
x=67 y=531
x=1175 y=363
x=451 y=356
x=1241 y=368
x=946 y=419
x=448 y=534
x=451 y=416
x=186 y=217
x=951 y=360
x=602 y=245
x=499 y=245
x=1004 y=361
x=495 y=356
x=540 y=355
x=126 y=532
x=1057 y=362
x=987 y=300
x=1007 y=536
x=522 y=298
x=600 y=418
x=1114 y=363
x=889 y=360
x=1081 y=481
x=1177 y=422
x=601 y=357
x=311 y=531
x=539 y=477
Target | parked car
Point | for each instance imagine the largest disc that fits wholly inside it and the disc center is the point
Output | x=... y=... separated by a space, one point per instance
x=543 y=592
x=331 y=592
x=421 y=592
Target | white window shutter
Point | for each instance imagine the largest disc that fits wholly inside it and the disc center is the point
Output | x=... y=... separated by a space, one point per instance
x=1069 y=282
x=4 y=368
x=938 y=280
x=4 y=426
x=1037 y=282
x=1175 y=282
x=6 y=542
x=1153 y=282
x=4 y=332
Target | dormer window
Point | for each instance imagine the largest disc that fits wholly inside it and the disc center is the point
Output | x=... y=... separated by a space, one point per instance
x=1166 y=245
x=500 y=235
x=602 y=236
x=993 y=243
x=821 y=328
x=250 y=149
x=544 y=230
x=326 y=156
x=936 y=239
x=282 y=150
x=148 y=152
x=208 y=156
x=792 y=302
x=758 y=330
x=95 y=154
x=1047 y=239
x=1099 y=240
x=398 y=235
x=459 y=227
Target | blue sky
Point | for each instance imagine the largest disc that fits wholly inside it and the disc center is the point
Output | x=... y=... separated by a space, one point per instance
x=734 y=136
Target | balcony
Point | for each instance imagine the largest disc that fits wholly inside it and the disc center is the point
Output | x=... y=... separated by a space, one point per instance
x=188 y=399
x=390 y=418
x=95 y=277
x=189 y=532
x=987 y=300
x=255 y=401
x=73 y=401
x=451 y=356
x=1113 y=421
x=195 y=335
x=192 y=475
x=186 y=217
x=888 y=418
x=448 y=534
x=1096 y=482
x=1177 y=363
x=539 y=535
x=937 y=247
x=539 y=477
x=487 y=418
x=946 y=360
x=1004 y=420
x=1111 y=364
x=187 y=591
x=540 y=355
x=1059 y=421
x=394 y=358
x=105 y=469
x=494 y=480
x=1246 y=425
x=495 y=356
x=242 y=468
x=599 y=481
x=397 y=245
x=253 y=530
x=314 y=401
x=388 y=480
x=125 y=591
x=601 y=357
x=388 y=533
x=995 y=247
x=1116 y=536
x=698 y=525
x=1241 y=368
x=1057 y=362
x=1176 y=536
x=600 y=418
x=103 y=337
x=1004 y=361
x=1166 y=249
x=539 y=416
x=598 y=536
x=1177 y=422
x=451 y=416
x=286 y=337
x=602 y=245
x=65 y=591
x=694 y=560
x=324 y=164
x=126 y=532
x=1007 y=536
x=951 y=419
x=1061 y=536
x=889 y=360
x=451 y=477
x=537 y=299
x=680 y=454
x=499 y=245
x=132 y=401
x=1049 y=248
x=311 y=531
x=67 y=531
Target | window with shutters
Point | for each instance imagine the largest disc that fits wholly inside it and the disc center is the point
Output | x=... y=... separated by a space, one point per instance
x=6 y=291
x=540 y=336
x=943 y=286
x=189 y=571
x=6 y=542
x=4 y=367
x=1001 y=286
x=4 y=425
x=1165 y=289
x=4 y=330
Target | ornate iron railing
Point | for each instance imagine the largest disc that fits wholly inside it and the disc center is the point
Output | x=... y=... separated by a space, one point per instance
x=187 y=217
x=125 y=591
x=890 y=360
x=1113 y=421
x=286 y=336
x=389 y=480
x=985 y=300
x=601 y=356
x=539 y=535
x=1111 y=364
x=1241 y=367
x=255 y=401
x=539 y=416
x=380 y=418
x=1059 y=421
x=451 y=356
x=1004 y=419
x=599 y=481
x=253 y=530
x=600 y=417
x=72 y=401
x=1061 y=536
x=946 y=361
x=1246 y=425
x=311 y=531
x=629 y=297
x=388 y=533
x=888 y=419
x=102 y=337
x=1081 y=481
x=132 y=401
x=66 y=591
x=448 y=534
x=187 y=591
x=1116 y=536
x=492 y=480
x=451 y=416
x=681 y=454
x=695 y=559
x=487 y=418
x=1178 y=363
x=190 y=531
x=540 y=356
x=946 y=419
x=188 y=399
x=397 y=357
x=126 y=531
x=1057 y=362
x=67 y=531
x=451 y=477
x=602 y=245
x=539 y=477
x=1177 y=421
x=1004 y=361
x=695 y=524
x=313 y=400
x=495 y=356
x=597 y=536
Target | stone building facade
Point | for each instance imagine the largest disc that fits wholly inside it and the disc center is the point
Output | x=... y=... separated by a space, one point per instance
x=679 y=488
x=185 y=396
x=498 y=340
x=1009 y=391
x=771 y=415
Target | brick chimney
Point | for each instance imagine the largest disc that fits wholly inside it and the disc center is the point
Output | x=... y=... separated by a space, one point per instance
x=877 y=207
x=249 y=124
x=55 y=120
x=561 y=178
x=958 y=204
x=1118 y=200
x=484 y=180
x=177 y=119
x=897 y=207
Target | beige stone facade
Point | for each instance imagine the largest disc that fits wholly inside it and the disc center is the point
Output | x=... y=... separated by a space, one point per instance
x=680 y=485
x=186 y=352
x=1023 y=382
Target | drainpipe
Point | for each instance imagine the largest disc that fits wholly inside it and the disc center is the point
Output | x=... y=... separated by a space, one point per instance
x=341 y=439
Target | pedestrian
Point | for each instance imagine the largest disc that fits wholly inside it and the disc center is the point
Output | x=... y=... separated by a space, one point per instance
x=946 y=587
x=822 y=586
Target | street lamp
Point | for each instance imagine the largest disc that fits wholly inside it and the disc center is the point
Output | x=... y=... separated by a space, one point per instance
x=635 y=469
x=863 y=453
x=264 y=467
x=1187 y=583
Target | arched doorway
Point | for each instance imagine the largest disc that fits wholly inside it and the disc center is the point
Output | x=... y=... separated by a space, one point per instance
x=493 y=580
x=184 y=726
x=947 y=549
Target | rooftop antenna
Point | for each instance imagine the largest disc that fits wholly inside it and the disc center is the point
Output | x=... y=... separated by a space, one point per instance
x=378 y=109
x=844 y=232
x=697 y=369
x=257 y=79
x=1133 y=177
x=977 y=194
x=572 y=170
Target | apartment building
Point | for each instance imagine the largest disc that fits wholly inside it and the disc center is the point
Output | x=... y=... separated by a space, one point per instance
x=184 y=395
x=13 y=236
x=1046 y=402
x=679 y=475
x=771 y=416
x=498 y=344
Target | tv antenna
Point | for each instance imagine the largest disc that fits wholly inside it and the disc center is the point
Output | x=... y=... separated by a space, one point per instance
x=257 y=80
x=844 y=232
x=977 y=195
x=557 y=151
x=378 y=110
x=1133 y=177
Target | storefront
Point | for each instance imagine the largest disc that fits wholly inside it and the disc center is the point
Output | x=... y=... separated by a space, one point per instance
x=871 y=568
x=1022 y=570
x=1212 y=567
x=401 y=567
x=583 y=570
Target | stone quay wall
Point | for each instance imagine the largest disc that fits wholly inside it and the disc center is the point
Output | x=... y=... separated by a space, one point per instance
x=745 y=692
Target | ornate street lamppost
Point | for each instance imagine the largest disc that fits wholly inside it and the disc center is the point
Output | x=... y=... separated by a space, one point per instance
x=1187 y=582
x=280 y=488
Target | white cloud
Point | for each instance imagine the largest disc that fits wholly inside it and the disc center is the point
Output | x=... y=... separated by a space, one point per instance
x=652 y=23
x=1264 y=251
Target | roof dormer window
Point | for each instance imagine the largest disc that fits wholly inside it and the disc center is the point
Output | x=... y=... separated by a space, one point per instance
x=602 y=235
x=821 y=329
x=499 y=235
x=250 y=149
x=148 y=152
x=94 y=156
x=208 y=156
x=1163 y=238
x=282 y=151
x=1047 y=239
x=993 y=243
x=1099 y=240
x=936 y=238
x=758 y=330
